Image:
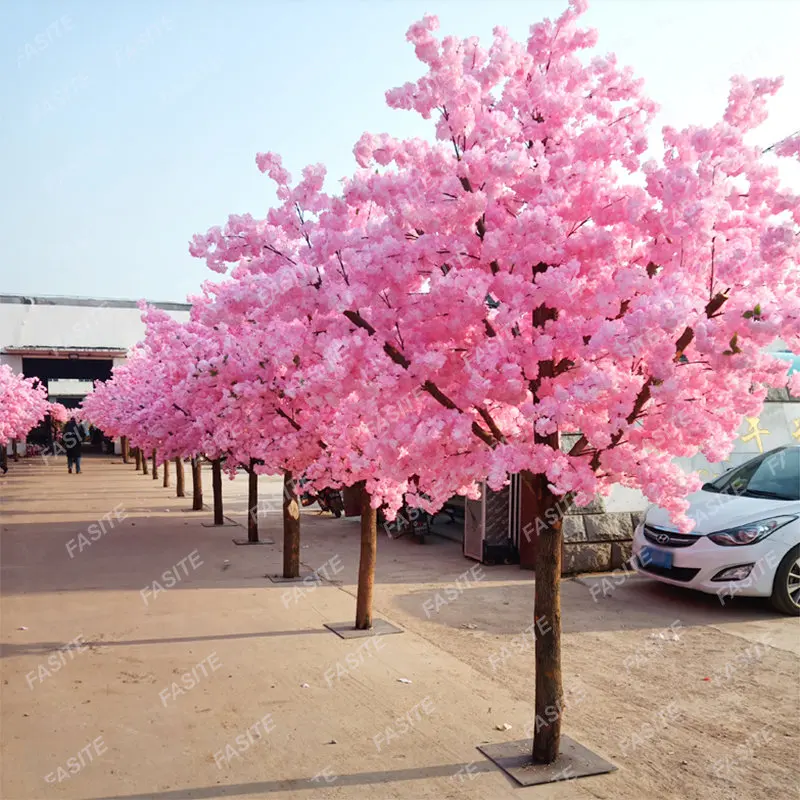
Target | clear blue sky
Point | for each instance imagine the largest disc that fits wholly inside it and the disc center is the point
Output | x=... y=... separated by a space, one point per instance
x=138 y=123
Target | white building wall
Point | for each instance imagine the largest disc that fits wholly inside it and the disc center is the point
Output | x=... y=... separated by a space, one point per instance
x=58 y=326
x=78 y=323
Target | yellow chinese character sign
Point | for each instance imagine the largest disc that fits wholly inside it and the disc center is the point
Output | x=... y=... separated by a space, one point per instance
x=754 y=432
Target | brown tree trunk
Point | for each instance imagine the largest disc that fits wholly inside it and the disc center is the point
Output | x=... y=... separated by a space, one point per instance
x=179 y=480
x=166 y=473
x=125 y=451
x=252 y=503
x=291 y=528
x=366 y=565
x=197 y=484
x=14 y=452
x=216 y=486
x=137 y=454
x=549 y=702
x=547 y=605
x=4 y=455
x=155 y=466
x=144 y=463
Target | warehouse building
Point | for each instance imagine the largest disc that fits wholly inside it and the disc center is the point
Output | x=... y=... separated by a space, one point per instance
x=70 y=342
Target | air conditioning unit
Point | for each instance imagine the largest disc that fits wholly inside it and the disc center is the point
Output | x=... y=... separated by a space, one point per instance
x=491 y=525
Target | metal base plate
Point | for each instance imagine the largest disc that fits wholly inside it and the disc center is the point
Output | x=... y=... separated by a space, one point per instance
x=280 y=579
x=247 y=541
x=574 y=761
x=347 y=630
x=226 y=524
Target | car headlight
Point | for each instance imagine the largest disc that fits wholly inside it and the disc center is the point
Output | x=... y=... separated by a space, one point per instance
x=750 y=533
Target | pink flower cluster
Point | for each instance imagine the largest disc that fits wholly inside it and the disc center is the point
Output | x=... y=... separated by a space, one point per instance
x=466 y=300
x=58 y=412
x=23 y=404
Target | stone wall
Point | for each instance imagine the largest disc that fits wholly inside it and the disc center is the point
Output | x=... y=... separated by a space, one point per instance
x=595 y=540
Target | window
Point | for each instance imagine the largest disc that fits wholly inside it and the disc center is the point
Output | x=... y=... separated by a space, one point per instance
x=774 y=475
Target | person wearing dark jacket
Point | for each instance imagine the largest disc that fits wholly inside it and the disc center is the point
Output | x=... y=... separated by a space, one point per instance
x=73 y=436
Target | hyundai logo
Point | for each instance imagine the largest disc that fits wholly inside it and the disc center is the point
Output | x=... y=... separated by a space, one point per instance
x=662 y=538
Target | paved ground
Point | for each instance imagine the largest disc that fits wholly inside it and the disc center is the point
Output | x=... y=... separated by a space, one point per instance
x=227 y=685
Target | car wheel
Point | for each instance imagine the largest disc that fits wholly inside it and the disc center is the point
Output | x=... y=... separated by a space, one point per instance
x=786 y=590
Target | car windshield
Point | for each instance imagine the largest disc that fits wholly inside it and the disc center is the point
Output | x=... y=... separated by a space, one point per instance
x=774 y=475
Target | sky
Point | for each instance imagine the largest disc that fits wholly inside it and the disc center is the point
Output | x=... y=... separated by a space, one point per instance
x=128 y=127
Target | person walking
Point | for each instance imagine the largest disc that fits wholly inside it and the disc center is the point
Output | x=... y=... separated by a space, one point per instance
x=73 y=436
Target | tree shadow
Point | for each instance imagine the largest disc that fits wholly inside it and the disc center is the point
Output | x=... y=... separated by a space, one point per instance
x=467 y=770
x=38 y=648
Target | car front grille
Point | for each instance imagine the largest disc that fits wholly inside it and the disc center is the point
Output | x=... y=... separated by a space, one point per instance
x=683 y=574
x=674 y=539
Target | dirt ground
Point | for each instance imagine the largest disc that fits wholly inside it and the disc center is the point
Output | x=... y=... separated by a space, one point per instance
x=152 y=658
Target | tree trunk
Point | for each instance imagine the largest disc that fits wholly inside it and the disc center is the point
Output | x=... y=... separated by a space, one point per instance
x=144 y=463
x=366 y=565
x=4 y=455
x=252 y=503
x=197 y=484
x=14 y=452
x=291 y=528
x=155 y=466
x=216 y=486
x=125 y=451
x=549 y=703
x=137 y=454
x=166 y=473
x=179 y=481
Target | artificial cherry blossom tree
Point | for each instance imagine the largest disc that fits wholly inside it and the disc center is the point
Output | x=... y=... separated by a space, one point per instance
x=535 y=276
x=23 y=404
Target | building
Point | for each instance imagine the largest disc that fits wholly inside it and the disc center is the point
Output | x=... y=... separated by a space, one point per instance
x=70 y=342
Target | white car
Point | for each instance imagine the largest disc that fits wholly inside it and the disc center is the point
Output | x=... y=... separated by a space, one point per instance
x=747 y=535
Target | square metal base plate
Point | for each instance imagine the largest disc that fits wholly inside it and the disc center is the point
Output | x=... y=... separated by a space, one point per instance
x=574 y=761
x=280 y=579
x=347 y=630
x=247 y=541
